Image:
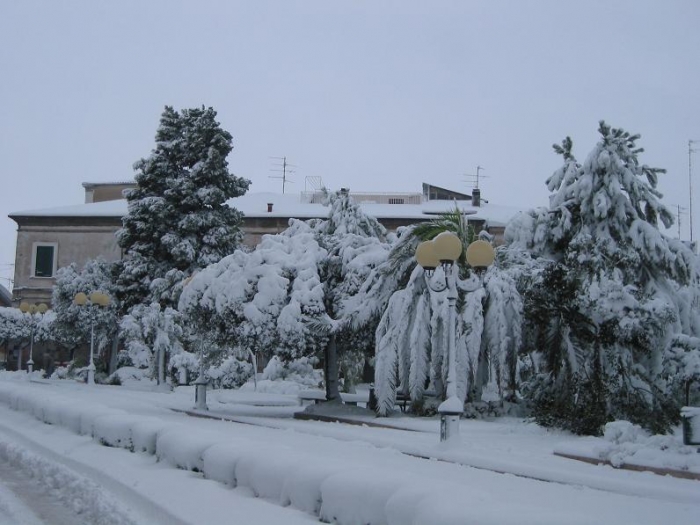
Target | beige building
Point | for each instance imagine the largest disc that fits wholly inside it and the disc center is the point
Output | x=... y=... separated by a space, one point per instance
x=50 y=239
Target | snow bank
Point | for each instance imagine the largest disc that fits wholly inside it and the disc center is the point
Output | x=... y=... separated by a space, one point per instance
x=82 y=495
x=624 y=443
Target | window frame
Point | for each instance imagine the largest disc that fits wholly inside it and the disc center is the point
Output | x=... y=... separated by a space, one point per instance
x=54 y=262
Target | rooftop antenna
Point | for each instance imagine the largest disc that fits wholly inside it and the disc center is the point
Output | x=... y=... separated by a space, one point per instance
x=691 y=150
x=313 y=182
x=476 y=178
x=284 y=168
x=681 y=211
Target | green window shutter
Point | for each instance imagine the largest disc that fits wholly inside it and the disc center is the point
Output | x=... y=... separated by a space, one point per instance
x=44 y=261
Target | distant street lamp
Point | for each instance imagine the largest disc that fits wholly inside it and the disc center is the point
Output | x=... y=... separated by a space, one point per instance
x=443 y=251
x=30 y=309
x=94 y=300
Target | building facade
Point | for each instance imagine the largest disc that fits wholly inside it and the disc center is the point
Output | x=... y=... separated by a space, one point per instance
x=50 y=239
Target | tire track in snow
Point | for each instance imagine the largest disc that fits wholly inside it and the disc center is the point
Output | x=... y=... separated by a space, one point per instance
x=94 y=496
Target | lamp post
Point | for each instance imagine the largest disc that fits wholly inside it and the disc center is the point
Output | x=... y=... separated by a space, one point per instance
x=95 y=299
x=30 y=309
x=443 y=251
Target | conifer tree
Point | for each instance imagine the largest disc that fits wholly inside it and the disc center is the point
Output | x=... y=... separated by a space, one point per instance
x=608 y=300
x=178 y=220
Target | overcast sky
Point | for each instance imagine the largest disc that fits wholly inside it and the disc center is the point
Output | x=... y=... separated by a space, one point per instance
x=370 y=95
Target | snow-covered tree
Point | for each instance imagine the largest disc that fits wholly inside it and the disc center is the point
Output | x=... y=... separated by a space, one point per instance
x=682 y=368
x=18 y=328
x=258 y=301
x=287 y=294
x=152 y=334
x=73 y=322
x=609 y=293
x=178 y=220
x=12 y=325
x=412 y=335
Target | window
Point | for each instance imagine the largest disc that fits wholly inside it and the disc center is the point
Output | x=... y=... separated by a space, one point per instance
x=395 y=200
x=44 y=259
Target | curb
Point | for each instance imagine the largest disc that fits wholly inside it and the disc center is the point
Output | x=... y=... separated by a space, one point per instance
x=683 y=474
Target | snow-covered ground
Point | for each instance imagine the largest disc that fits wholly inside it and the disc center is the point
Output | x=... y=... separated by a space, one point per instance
x=253 y=463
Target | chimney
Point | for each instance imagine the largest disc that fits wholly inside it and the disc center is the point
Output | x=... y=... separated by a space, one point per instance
x=476 y=197
x=269 y=207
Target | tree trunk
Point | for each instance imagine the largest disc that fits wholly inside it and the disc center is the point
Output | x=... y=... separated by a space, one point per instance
x=330 y=370
x=161 y=366
x=113 y=355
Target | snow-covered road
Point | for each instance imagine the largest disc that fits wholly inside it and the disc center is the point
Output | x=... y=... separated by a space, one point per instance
x=53 y=477
x=350 y=472
x=23 y=500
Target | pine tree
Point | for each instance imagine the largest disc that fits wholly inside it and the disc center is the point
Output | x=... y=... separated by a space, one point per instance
x=178 y=220
x=607 y=299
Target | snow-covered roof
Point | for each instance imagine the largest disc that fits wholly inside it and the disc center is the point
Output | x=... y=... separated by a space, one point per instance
x=291 y=205
x=113 y=183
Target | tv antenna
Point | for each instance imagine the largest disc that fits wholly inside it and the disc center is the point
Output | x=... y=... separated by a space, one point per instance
x=285 y=169
x=314 y=182
x=681 y=210
x=691 y=150
x=474 y=179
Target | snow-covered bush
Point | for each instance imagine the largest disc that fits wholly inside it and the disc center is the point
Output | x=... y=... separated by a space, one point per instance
x=60 y=372
x=184 y=363
x=231 y=373
x=128 y=374
x=300 y=371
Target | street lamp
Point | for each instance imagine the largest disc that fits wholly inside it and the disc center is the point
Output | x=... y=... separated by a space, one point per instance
x=30 y=309
x=443 y=251
x=95 y=299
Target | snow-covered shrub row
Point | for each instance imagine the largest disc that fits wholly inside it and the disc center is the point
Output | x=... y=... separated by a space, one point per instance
x=336 y=491
x=624 y=443
x=629 y=443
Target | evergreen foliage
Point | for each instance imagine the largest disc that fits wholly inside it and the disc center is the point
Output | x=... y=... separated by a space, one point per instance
x=178 y=220
x=609 y=294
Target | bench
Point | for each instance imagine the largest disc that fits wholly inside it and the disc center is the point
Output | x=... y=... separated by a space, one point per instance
x=403 y=399
x=319 y=396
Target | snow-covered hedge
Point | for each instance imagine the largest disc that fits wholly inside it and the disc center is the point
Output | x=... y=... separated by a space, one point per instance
x=335 y=491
